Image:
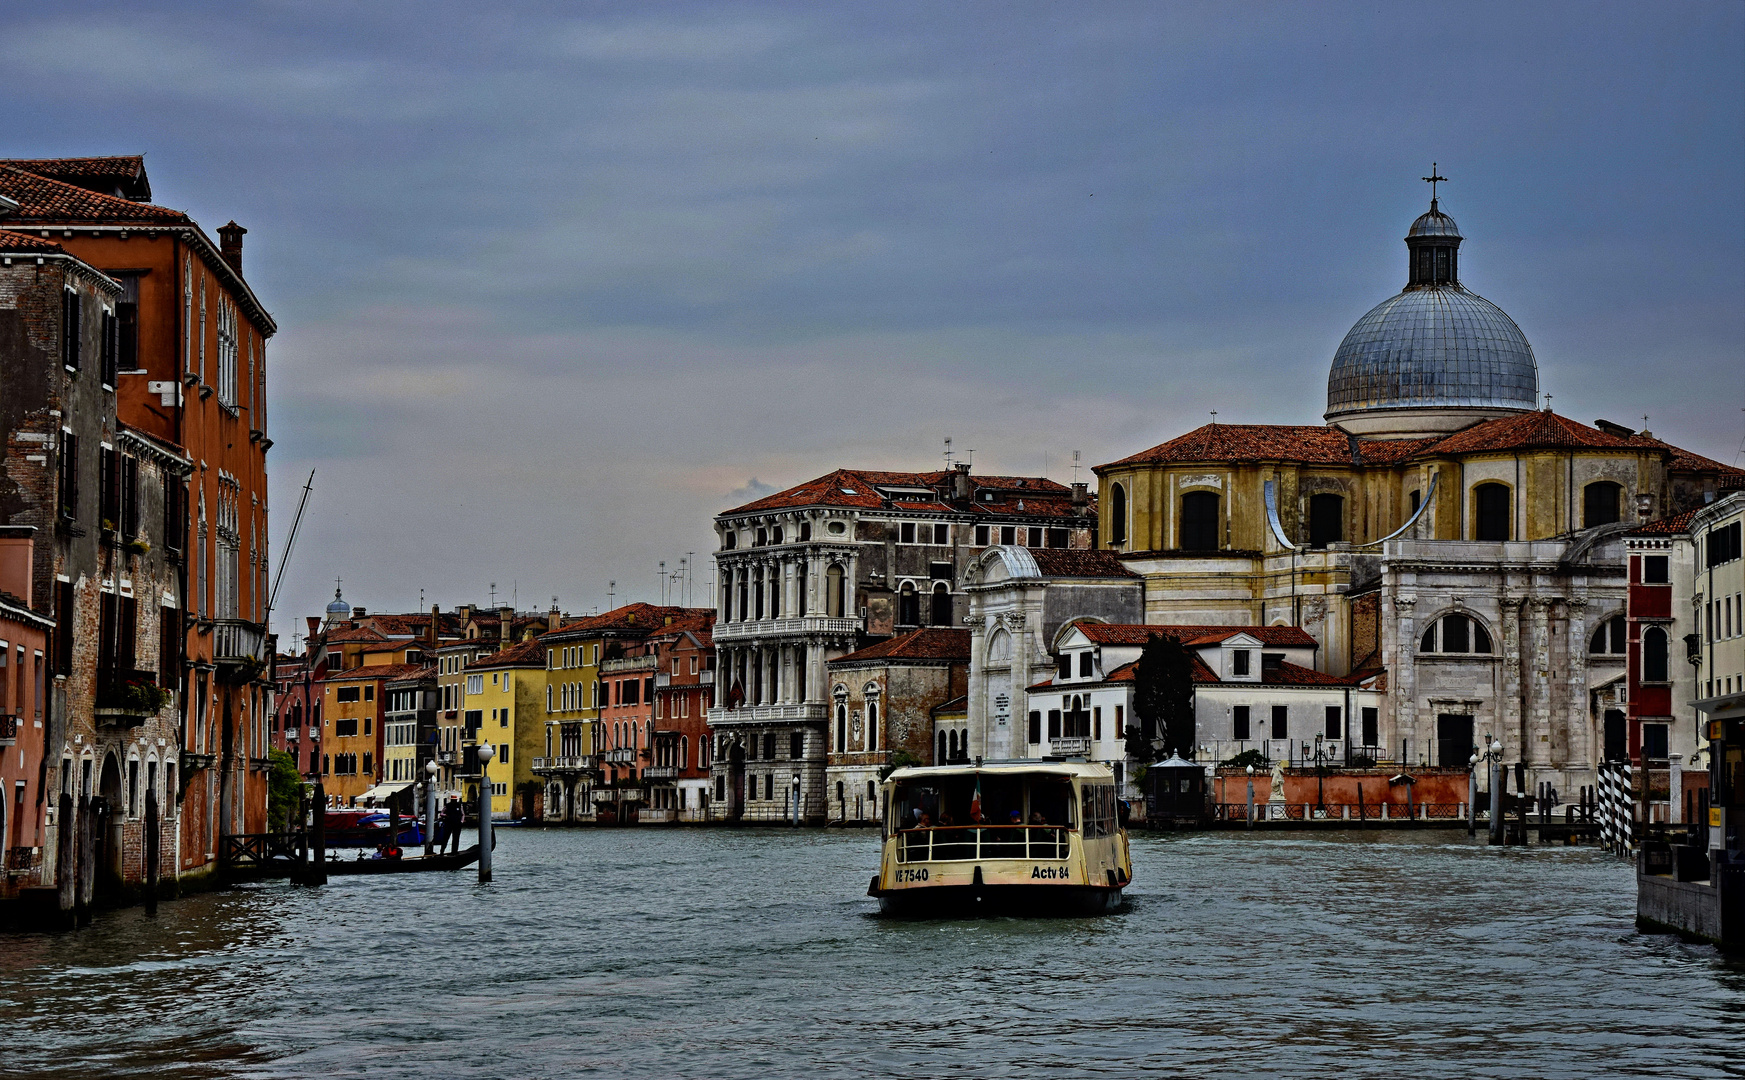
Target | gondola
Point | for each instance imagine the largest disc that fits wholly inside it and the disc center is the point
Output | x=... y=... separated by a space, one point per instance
x=451 y=861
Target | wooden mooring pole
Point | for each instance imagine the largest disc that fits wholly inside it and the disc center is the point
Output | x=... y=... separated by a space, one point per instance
x=151 y=851
x=318 y=867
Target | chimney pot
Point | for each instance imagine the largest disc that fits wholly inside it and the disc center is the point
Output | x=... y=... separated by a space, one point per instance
x=359 y=613
x=230 y=244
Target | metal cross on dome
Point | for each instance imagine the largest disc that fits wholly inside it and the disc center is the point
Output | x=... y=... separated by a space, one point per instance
x=1433 y=179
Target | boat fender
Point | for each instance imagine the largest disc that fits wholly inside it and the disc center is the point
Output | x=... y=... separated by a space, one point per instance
x=873 y=888
x=978 y=884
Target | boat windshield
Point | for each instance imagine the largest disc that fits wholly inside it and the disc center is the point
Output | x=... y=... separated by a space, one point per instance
x=983 y=799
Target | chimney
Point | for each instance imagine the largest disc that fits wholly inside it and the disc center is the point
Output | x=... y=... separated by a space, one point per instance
x=17 y=562
x=230 y=244
x=314 y=622
x=552 y=619
x=435 y=623
x=507 y=614
x=960 y=488
x=359 y=613
x=1080 y=495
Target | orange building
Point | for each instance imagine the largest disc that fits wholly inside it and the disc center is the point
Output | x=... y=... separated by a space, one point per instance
x=187 y=349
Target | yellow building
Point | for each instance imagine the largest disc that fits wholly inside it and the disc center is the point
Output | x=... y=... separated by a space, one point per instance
x=503 y=703
x=352 y=736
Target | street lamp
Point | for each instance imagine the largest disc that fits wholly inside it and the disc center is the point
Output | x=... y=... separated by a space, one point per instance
x=1251 y=796
x=430 y=768
x=1472 y=795
x=1493 y=756
x=485 y=755
x=796 y=800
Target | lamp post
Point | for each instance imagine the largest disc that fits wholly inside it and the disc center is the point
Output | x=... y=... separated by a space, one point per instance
x=430 y=768
x=796 y=800
x=485 y=754
x=1494 y=758
x=1472 y=795
x=1321 y=757
x=1251 y=796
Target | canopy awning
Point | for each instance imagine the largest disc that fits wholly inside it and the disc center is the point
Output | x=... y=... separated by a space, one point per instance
x=383 y=792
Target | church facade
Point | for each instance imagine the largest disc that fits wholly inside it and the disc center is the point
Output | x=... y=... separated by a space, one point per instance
x=1439 y=527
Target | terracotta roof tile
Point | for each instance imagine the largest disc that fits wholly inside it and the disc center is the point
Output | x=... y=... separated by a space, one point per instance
x=869 y=490
x=927 y=643
x=354 y=633
x=17 y=241
x=635 y=617
x=1676 y=525
x=1140 y=633
x=1542 y=429
x=1073 y=562
x=127 y=169
x=376 y=671
x=1312 y=444
x=522 y=654
x=50 y=202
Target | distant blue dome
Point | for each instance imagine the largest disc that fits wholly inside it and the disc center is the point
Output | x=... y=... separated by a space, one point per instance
x=338 y=609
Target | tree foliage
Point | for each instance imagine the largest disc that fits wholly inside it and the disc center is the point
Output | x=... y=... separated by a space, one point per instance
x=1163 y=701
x=284 y=791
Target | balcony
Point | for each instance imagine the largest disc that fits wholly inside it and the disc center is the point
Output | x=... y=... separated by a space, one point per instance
x=129 y=698
x=239 y=649
x=573 y=763
x=800 y=712
x=660 y=772
x=628 y=663
x=623 y=755
x=622 y=794
x=767 y=628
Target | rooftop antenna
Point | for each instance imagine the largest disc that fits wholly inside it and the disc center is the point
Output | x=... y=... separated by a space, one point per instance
x=611 y=595
x=515 y=593
x=663 y=583
x=420 y=599
x=969 y=458
x=1075 y=466
x=493 y=594
x=1433 y=179
x=948 y=453
x=689 y=555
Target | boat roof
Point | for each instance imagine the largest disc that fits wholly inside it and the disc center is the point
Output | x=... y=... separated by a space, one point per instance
x=1085 y=769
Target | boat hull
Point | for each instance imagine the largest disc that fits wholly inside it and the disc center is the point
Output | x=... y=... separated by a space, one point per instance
x=961 y=901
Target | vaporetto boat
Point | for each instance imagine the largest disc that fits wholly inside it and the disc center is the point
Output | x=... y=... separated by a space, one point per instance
x=1018 y=837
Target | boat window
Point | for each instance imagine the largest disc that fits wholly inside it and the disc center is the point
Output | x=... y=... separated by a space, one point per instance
x=1004 y=800
x=1098 y=810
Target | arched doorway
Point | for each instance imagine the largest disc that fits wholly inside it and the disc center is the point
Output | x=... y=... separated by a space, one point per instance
x=106 y=823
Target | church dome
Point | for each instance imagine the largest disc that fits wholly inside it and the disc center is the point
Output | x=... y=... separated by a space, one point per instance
x=1436 y=357
x=338 y=608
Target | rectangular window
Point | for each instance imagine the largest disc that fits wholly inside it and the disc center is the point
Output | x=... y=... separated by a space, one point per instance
x=1035 y=537
x=1097 y=722
x=1280 y=727
x=369 y=764
x=1054 y=723
x=797 y=745
x=346 y=693
x=1085 y=664
x=1335 y=721
x=69 y=475
x=106 y=349
x=769 y=747
x=981 y=536
x=1371 y=726
x=941 y=534
x=1654 y=741
x=907 y=535
x=1057 y=538
x=1035 y=732
x=1239 y=723
x=1066 y=665
x=1654 y=570
x=345 y=727
x=1008 y=535
x=70 y=331
x=1239 y=662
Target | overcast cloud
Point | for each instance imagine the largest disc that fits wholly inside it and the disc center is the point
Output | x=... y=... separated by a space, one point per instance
x=556 y=283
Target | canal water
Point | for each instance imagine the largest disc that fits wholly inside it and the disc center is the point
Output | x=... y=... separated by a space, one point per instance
x=750 y=953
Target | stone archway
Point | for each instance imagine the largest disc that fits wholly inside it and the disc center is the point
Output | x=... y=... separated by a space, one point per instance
x=108 y=817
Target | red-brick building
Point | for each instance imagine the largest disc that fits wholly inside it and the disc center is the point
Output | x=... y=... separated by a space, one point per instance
x=684 y=688
x=183 y=336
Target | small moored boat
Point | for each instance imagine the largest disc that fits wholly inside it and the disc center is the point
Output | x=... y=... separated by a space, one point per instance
x=1022 y=837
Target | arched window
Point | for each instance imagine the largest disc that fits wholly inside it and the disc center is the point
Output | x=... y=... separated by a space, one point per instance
x=800 y=585
x=833 y=591
x=941 y=613
x=1326 y=519
x=872 y=724
x=1491 y=513
x=1117 y=514
x=1608 y=639
x=805 y=531
x=1601 y=504
x=841 y=724
x=951 y=742
x=1455 y=634
x=942 y=758
x=744 y=595
x=1654 y=655
x=757 y=589
x=776 y=535
x=684 y=751
x=908 y=605
x=1199 y=522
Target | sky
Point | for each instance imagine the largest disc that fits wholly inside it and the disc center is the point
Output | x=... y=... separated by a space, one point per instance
x=557 y=283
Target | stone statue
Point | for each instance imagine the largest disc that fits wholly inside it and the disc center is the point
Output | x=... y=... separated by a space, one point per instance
x=1278 y=782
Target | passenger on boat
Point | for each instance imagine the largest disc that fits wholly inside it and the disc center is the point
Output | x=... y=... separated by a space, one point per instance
x=1015 y=817
x=1036 y=818
x=924 y=821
